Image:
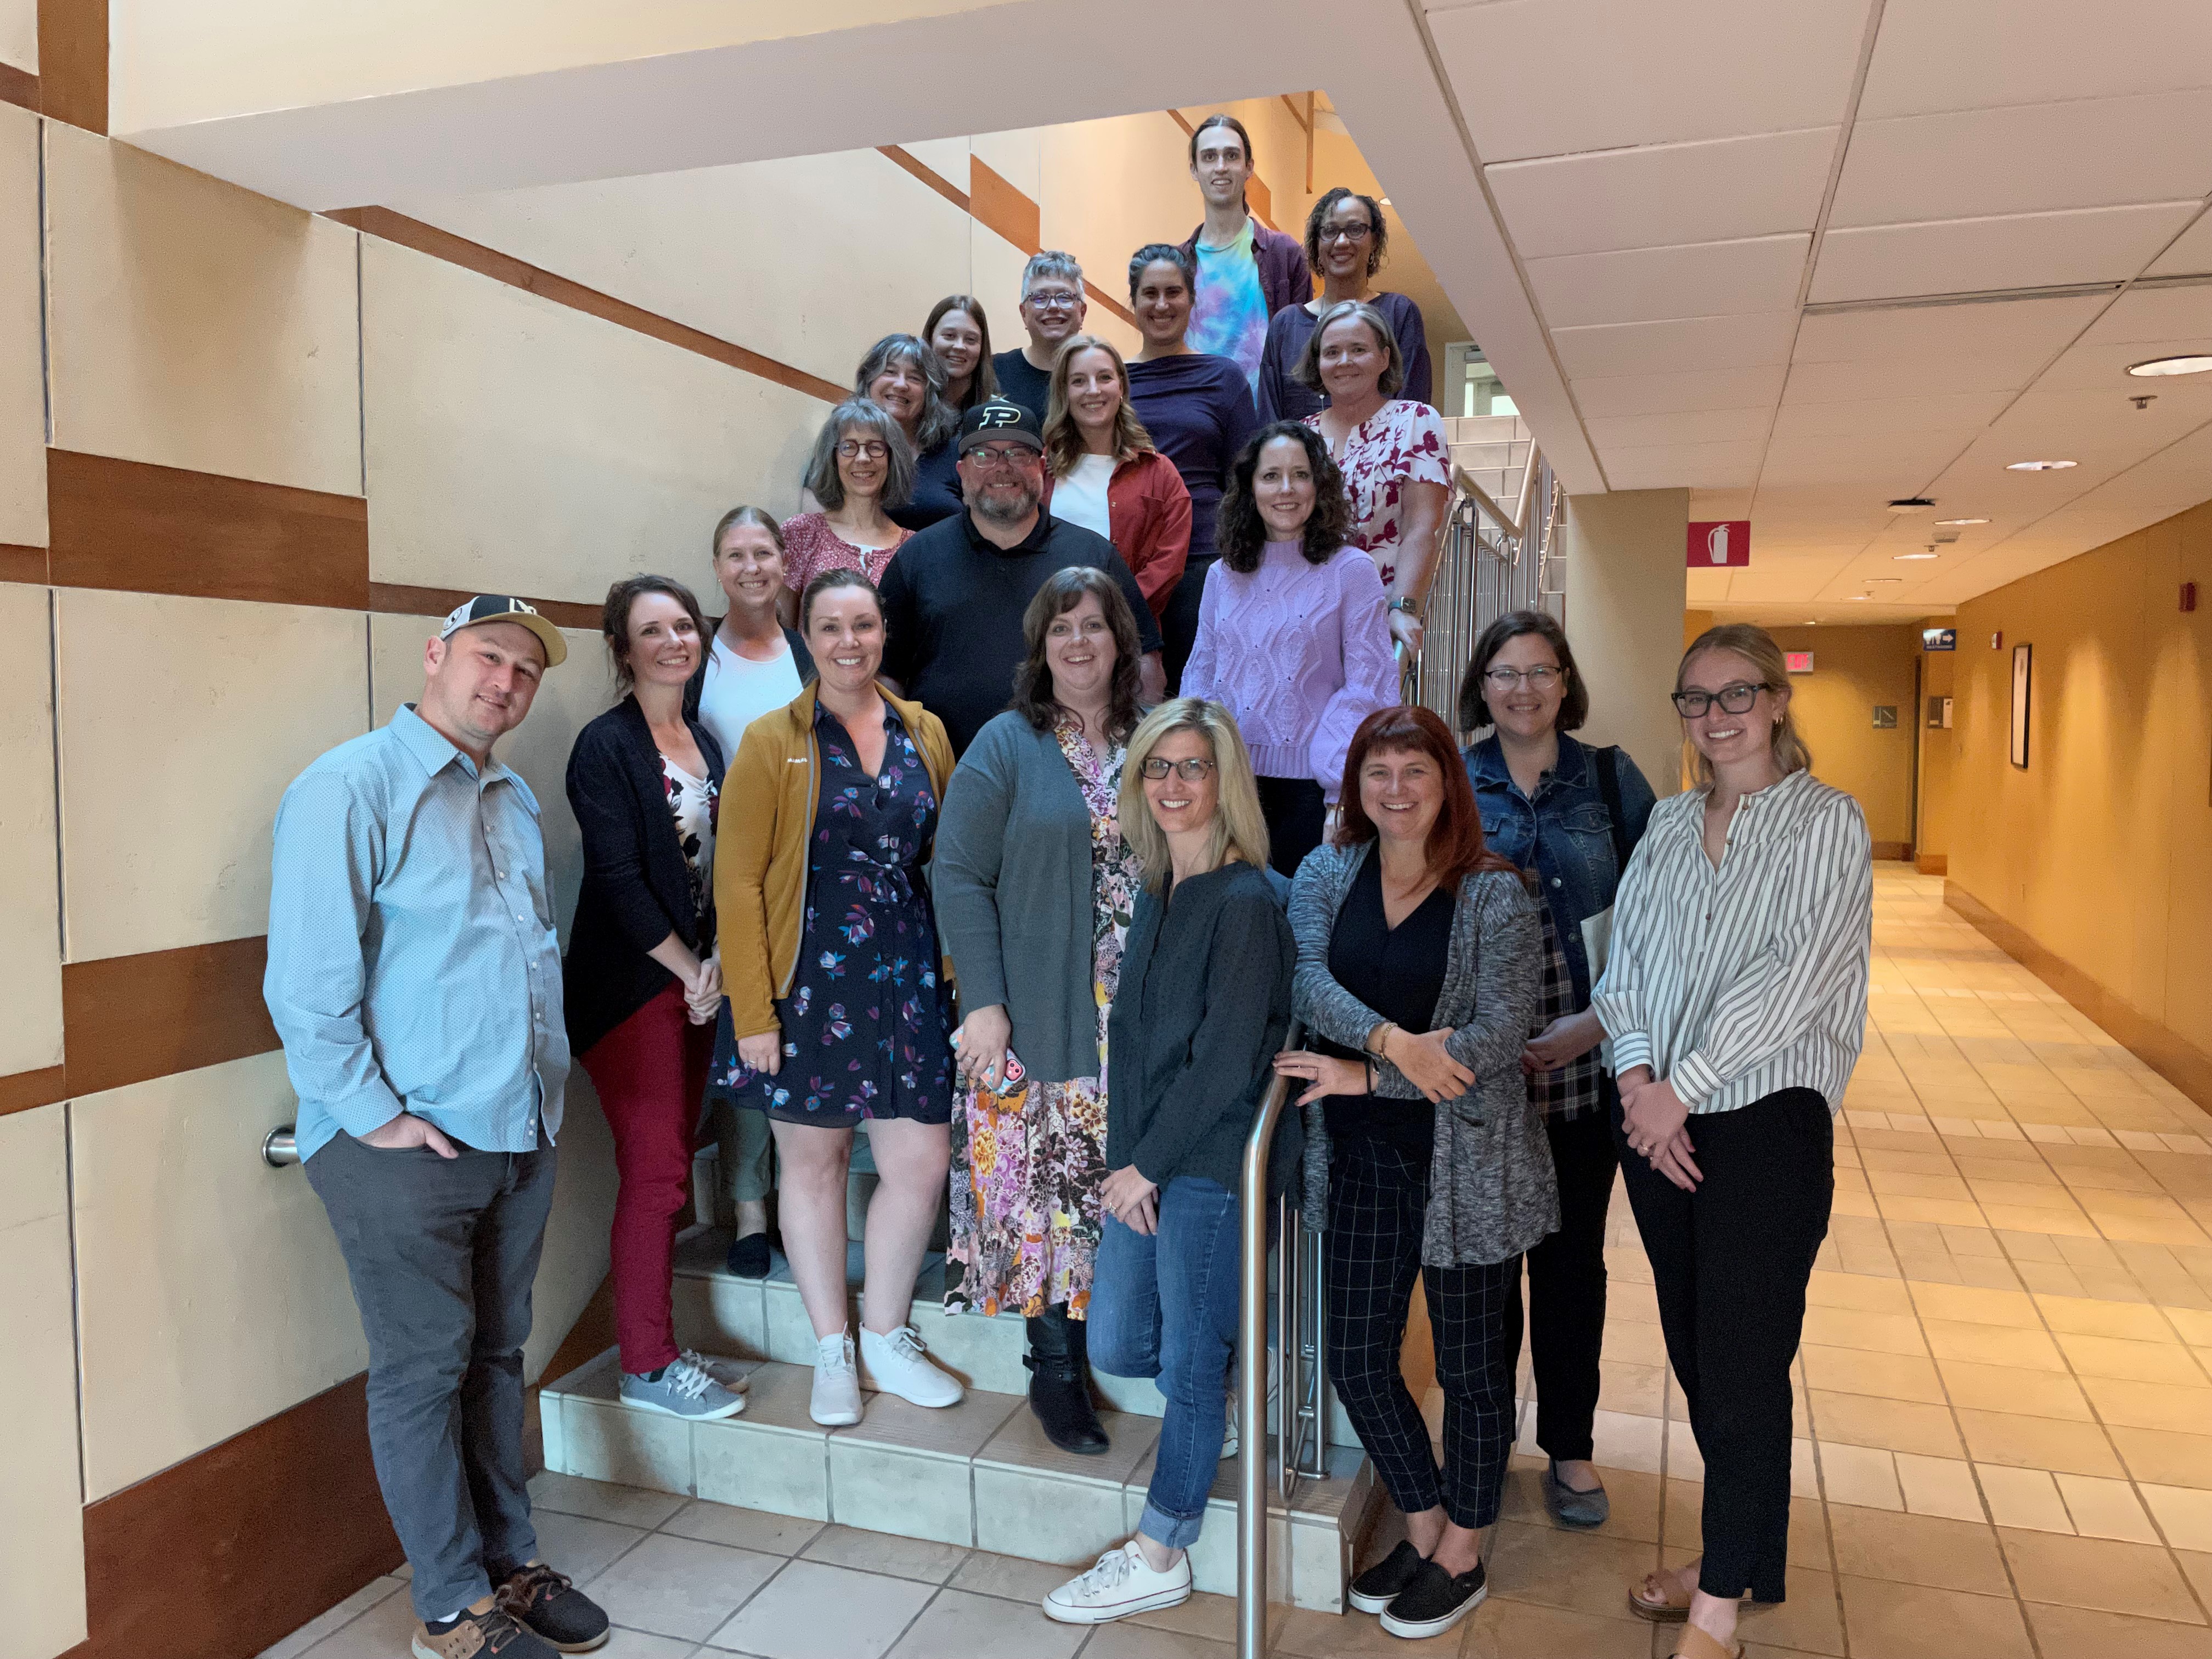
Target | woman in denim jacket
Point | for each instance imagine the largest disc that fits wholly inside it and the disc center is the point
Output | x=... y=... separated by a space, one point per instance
x=1546 y=806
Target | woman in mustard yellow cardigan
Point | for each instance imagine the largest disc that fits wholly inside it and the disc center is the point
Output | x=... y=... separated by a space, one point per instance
x=839 y=1012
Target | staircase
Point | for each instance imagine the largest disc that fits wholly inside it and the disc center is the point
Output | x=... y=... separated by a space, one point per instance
x=980 y=1473
x=1493 y=450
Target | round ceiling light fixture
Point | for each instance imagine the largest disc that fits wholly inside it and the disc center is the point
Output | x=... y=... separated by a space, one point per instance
x=1913 y=555
x=2038 y=466
x=1954 y=522
x=2191 y=363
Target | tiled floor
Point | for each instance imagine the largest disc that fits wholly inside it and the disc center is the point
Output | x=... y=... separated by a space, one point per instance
x=2005 y=1407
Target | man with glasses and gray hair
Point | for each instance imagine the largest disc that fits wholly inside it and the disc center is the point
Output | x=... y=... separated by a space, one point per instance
x=954 y=597
x=1053 y=307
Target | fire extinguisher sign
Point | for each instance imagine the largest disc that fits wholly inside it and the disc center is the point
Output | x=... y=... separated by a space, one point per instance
x=1716 y=543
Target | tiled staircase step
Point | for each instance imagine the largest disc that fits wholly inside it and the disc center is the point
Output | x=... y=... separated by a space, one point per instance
x=979 y=1474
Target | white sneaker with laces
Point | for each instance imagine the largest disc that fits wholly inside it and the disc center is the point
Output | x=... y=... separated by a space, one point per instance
x=1119 y=1585
x=836 y=1399
x=901 y=1365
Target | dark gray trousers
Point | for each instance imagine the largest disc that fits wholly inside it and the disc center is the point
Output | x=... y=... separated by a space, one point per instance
x=442 y=1255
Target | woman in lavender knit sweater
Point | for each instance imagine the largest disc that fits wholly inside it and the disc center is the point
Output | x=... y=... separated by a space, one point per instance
x=1292 y=635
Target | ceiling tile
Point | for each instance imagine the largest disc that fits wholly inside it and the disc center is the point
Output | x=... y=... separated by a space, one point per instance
x=1550 y=77
x=2028 y=332
x=1614 y=431
x=1651 y=284
x=2103 y=368
x=1720 y=504
x=2148 y=314
x=1682 y=345
x=2038 y=158
x=1675 y=467
x=1908 y=377
x=2191 y=254
x=1958 y=256
x=1968 y=54
x=2074 y=421
x=1658 y=394
x=1959 y=413
x=1660 y=195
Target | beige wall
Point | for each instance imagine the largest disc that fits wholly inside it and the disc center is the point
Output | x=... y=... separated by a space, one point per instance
x=1855 y=669
x=1931 y=837
x=2101 y=852
x=1626 y=575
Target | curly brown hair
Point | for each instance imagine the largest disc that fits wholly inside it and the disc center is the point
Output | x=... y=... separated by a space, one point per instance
x=1062 y=591
x=1240 y=533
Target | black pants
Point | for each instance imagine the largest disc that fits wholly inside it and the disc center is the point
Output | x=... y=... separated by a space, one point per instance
x=1566 y=1285
x=1730 y=1262
x=1179 y=622
x=1377 y=1200
x=1297 y=817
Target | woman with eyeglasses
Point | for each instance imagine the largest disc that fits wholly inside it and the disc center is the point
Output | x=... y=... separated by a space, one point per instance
x=1291 y=636
x=1198 y=407
x=1572 y=814
x=1418 y=958
x=1347 y=240
x=861 y=464
x=901 y=376
x=1105 y=473
x=1735 y=992
x=1202 y=1005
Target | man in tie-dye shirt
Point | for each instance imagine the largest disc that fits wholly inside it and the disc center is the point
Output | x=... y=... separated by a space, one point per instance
x=1246 y=272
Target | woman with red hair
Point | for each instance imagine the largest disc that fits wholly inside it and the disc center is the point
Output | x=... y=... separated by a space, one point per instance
x=1419 y=962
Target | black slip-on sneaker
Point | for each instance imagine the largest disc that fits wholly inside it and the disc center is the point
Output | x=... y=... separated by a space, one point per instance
x=1379 y=1586
x=1434 y=1601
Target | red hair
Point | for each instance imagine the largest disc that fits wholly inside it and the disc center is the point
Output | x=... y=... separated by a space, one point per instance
x=1456 y=848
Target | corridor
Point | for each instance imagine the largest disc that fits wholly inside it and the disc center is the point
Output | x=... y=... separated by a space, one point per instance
x=2005 y=1402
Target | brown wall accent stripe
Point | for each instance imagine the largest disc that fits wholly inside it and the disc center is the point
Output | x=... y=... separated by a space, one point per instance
x=125 y=1019
x=234 y=1549
x=907 y=162
x=163 y=530
x=534 y=279
x=395 y=600
x=22 y=1090
x=73 y=62
x=1001 y=209
x=20 y=88
x=23 y=564
x=2181 y=1062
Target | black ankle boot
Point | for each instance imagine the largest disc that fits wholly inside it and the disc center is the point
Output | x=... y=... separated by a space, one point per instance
x=1059 y=1383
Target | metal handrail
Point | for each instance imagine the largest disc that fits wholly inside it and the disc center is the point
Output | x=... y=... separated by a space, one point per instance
x=1252 y=1371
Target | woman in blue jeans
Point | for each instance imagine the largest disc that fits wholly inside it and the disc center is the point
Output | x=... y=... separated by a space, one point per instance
x=1202 y=1006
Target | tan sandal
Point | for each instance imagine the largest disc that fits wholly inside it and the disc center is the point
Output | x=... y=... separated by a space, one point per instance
x=1695 y=1644
x=1657 y=1599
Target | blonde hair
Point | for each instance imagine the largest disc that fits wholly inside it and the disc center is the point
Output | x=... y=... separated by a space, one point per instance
x=1063 y=439
x=1756 y=646
x=1239 y=830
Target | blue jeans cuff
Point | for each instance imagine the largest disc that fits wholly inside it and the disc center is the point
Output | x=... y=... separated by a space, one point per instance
x=1173 y=1531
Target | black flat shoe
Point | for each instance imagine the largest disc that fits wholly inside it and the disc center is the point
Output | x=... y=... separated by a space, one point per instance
x=1434 y=1601
x=749 y=1257
x=1380 y=1585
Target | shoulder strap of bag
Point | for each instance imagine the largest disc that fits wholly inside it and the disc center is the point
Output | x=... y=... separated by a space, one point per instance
x=1608 y=784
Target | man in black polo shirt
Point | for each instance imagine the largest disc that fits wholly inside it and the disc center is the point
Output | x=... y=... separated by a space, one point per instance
x=953 y=598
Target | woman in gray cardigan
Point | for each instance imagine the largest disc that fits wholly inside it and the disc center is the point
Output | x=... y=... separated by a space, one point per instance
x=1035 y=887
x=1418 y=967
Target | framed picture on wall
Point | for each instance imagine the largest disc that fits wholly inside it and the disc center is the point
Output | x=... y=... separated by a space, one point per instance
x=2023 y=658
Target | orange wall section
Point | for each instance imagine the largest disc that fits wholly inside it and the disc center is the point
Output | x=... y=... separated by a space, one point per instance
x=2094 y=863
x=1853 y=669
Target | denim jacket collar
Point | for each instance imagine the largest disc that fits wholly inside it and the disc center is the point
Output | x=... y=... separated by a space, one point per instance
x=1491 y=771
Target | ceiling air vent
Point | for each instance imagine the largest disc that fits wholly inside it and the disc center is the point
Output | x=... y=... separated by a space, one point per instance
x=1912 y=504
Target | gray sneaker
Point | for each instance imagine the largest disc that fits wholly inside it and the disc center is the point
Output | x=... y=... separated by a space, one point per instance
x=686 y=1389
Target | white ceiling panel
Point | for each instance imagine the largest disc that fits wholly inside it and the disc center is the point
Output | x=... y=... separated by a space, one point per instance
x=1885 y=464
x=2028 y=332
x=1720 y=504
x=1721 y=190
x=2190 y=458
x=1682 y=345
x=1550 y=77
x=1957 y=413
x=1970 y=54
x=1661 y=394
x=2038 y=158
x=2191 y=254
x=2149 y=315
x=2104 y=368
x=1671 y=467
x=1906 y=377
x=2070 y=422
x=1613 y=432
x=1960 y=256
x=1980 y=475
x=1654 y=284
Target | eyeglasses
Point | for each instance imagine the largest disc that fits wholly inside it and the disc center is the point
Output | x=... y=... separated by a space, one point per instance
x=1735 y=699
x=851 y=450
x=1190 y=771
x=1347 y=233
x=1050 y=301
x=1017 y=458
x=1536 y=679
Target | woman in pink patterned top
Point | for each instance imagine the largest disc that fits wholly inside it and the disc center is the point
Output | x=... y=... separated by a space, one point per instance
x=1396 y=465
x=862 y=464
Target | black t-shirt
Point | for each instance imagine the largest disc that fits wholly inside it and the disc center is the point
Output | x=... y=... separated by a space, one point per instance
x=936 y=489
x=952 y=612
x=1399 y=972
x=1021 y=382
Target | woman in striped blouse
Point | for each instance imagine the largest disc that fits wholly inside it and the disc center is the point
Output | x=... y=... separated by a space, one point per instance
x=1735 y=996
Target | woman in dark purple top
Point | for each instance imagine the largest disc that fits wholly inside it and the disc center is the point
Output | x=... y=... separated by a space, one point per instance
x=1198 y=409
x=1346 y=238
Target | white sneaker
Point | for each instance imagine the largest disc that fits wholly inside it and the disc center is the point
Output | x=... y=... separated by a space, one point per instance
x=899 y=1365
x=836 y=1383
x=1119 y=1585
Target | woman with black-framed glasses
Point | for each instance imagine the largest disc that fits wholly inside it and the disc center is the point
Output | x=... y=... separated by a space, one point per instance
x=862 y=466
x=1347 y=239
x=1735 y=992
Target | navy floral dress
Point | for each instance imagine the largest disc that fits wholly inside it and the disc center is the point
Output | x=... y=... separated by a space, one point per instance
x=867 y=1029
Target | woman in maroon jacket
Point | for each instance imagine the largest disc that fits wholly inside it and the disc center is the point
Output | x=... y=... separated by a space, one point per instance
x=1106 y=475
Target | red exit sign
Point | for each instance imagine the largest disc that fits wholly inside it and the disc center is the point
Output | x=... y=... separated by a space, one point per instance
x=1798 y=662
x=1720 y=544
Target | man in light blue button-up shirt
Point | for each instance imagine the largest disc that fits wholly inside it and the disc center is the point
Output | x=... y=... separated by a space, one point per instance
x=415 y=977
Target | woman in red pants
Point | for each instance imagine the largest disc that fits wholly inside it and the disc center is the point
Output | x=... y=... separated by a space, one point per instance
x=640 y=981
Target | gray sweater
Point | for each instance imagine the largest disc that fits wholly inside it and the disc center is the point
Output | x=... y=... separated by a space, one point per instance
x=1491 y=1192
x=1012 y=889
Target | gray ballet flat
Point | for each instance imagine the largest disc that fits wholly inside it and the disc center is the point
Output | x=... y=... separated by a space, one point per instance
x=1571 y=1508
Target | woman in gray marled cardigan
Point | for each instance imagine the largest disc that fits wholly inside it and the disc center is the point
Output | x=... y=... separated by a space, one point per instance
x=1418 y=970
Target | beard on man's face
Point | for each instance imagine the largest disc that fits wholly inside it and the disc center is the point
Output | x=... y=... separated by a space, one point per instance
x=1007 y=503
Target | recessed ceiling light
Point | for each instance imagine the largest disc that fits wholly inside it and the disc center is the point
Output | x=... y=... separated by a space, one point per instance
x=1959 y=522
x=1912 y=504
x=2038 y=466
x=1875 y=581
x=2194 y=363
x=1912 y=555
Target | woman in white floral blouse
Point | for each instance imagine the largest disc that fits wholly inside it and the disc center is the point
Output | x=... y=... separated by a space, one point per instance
x=1396 y=465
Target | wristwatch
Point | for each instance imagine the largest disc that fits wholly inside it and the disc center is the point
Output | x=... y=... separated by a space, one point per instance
x=1412 y=607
